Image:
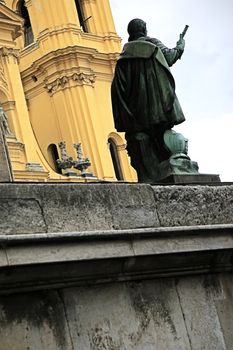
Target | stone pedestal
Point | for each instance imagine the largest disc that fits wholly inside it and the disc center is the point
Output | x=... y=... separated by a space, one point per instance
x=69 y=172
x=88 y=176
x=191 y=179
x=181 y=170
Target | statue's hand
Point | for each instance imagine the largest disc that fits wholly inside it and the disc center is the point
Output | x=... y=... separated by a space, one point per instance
x=180 y=43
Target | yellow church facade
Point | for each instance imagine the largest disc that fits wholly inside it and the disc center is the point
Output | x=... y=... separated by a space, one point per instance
x=57 y=61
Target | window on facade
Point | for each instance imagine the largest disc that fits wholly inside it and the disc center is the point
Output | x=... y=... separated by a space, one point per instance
x=81 y=16
x=28 y=34
x=115 y=159
x=53 y=156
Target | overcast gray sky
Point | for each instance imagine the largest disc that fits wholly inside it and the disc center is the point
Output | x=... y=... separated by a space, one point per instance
x=204 y=78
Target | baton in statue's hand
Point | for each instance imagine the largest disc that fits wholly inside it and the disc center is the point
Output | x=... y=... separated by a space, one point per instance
x=184 y=32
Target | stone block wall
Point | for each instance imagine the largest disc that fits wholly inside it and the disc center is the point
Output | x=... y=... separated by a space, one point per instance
x=185 y=313
x=37 y=208
x=116 y=267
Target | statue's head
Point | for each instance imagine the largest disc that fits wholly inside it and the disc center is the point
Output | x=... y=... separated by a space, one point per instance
x=136 y=29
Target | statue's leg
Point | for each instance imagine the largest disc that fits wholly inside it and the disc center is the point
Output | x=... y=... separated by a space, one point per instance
x=157 y=137
x=143 y=157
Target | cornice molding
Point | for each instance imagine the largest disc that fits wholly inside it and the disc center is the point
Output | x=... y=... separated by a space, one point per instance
x=74 y=29
x=70 y=80
x=69 y=52
x=74 y=64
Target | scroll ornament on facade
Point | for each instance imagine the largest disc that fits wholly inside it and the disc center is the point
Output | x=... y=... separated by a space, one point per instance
x=68 y=80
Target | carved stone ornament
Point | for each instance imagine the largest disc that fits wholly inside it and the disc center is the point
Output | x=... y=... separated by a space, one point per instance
x=3 y=80
x=64 y=81
x=6 y=52
x=66 y=162
x=88 y=79
x=82 y=163
x=57 y=84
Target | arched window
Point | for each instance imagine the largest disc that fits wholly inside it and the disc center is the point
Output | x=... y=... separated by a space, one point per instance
x=28 y=34
x=53 y=156
x=115 y=159
x=81 y=16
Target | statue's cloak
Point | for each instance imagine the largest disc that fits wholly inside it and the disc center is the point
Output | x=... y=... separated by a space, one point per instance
x=143 y=89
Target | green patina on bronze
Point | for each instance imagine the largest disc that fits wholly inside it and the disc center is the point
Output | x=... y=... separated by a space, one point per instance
x=144 y=101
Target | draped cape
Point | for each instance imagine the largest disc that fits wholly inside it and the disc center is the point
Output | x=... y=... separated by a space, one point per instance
x=143 y=89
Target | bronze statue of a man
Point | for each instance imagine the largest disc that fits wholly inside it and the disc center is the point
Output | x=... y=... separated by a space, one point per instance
x=144 y=102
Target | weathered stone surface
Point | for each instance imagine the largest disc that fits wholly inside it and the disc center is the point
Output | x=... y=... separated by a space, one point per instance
x=198 y=298
x=179 y=314
x=33 y=321
x=3 y=258
x=81 y=207
x=224 y=308
x=132 y=206
x=32 y=261
x=65 y=252
x=183 y=313
x=21 y=215
x=69 y=208
x=65 y=207
x=194 y=205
